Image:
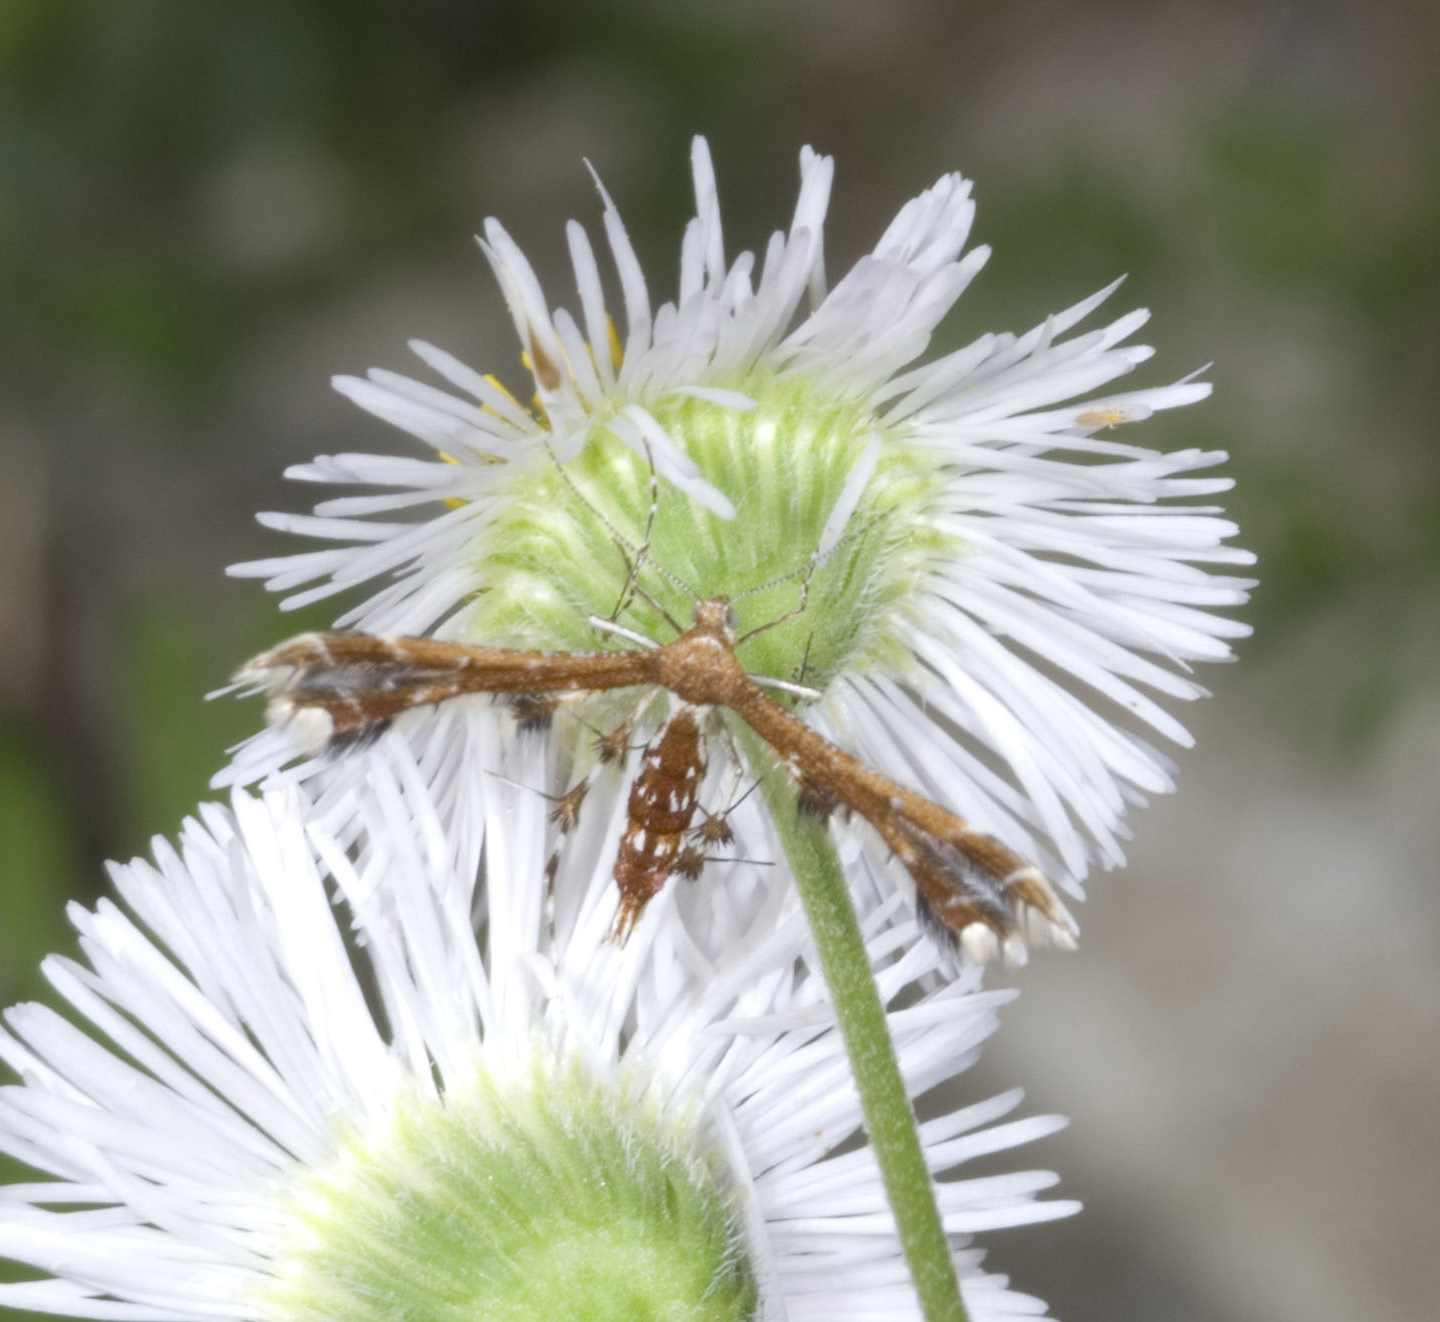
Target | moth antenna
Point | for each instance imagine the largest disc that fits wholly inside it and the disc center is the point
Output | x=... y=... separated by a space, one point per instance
x=632 y=581
x=667 y=574
x=616 y=535
x=805 y=573
x=635 y=556
x=674 y=579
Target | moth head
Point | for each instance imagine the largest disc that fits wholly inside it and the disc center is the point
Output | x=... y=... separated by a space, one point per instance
x=716 y=615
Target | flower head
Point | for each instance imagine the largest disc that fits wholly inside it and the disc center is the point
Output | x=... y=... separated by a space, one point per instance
x=985 y=589
x=308 y=1090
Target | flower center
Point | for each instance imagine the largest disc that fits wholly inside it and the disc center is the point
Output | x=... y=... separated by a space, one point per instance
x=552 y=1199
x=564 y=548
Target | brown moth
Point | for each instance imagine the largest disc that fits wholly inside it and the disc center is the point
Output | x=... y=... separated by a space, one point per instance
x=340 y=689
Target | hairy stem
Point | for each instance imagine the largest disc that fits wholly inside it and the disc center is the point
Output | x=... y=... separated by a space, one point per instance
x=889 y=1117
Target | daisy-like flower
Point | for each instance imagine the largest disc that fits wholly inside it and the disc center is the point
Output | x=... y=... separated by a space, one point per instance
x=323 y=1074
x=987 y=591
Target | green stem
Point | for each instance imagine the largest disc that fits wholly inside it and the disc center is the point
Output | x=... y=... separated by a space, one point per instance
x=884 y=1101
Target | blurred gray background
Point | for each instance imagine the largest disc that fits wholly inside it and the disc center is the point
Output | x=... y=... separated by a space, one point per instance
x=206 y=210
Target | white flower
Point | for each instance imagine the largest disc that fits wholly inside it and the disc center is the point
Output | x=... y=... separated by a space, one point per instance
x=1001 y=591
x=309 y=1091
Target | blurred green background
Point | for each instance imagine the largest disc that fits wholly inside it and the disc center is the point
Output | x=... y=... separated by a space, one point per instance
x=207 y=210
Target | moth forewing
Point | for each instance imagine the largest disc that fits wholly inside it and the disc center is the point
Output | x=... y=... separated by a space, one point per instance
x=332 y=687
x=986 y=897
